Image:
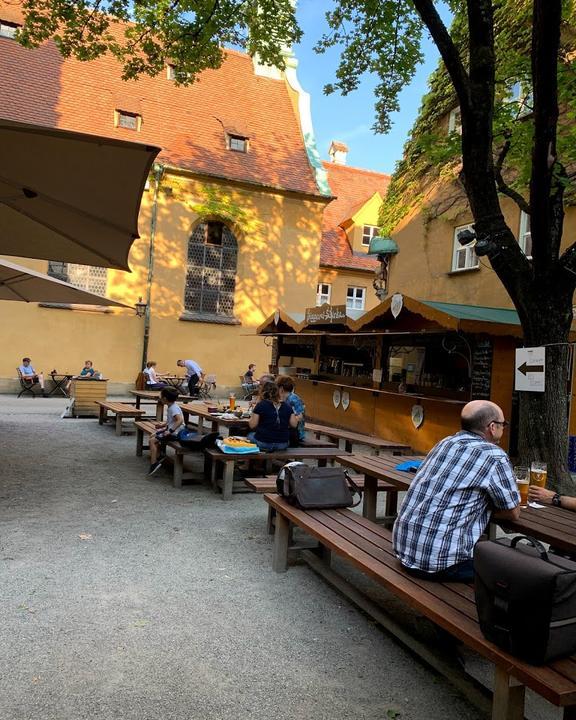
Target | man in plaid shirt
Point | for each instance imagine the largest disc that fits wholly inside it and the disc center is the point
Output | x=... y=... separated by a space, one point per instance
x=464 y=480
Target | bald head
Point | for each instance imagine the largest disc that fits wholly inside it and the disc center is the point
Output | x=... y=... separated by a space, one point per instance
x=478 y=414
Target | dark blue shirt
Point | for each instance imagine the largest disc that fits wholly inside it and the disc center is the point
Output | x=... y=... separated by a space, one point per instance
x=273 y=423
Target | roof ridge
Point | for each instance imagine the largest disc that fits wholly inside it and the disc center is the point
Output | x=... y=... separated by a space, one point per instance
x=327 y=164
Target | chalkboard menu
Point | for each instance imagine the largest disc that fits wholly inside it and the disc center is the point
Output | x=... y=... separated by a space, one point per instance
x=481 y=369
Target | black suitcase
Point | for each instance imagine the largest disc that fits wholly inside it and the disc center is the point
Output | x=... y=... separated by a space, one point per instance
x=526 y=599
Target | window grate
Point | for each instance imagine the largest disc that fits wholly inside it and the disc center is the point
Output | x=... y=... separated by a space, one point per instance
x=85 y=277
x=211 y=270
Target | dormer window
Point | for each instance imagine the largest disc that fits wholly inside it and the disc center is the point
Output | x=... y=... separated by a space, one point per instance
x=238 y=143
x=8 y=29
x=455 y=121
x=368 y=232
x=127 y=120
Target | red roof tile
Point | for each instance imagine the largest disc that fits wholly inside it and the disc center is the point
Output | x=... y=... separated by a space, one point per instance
x=39 y=86
x=352 y=187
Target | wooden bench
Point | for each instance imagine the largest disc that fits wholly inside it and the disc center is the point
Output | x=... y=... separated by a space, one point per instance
x=121 y=410
x=268 y=485
x=350 y=437
x=217 y=460
x=368 y=547
x=148 y=427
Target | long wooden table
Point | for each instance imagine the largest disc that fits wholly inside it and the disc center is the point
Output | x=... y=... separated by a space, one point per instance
x=349 y=437
x=200 y=410
x=223 y=464
x=153 y=395
x=556 y=526
x=380 y=467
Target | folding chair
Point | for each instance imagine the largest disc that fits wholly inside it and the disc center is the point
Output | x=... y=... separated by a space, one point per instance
x=26 y=385
x=247 y=389
x=206 y=387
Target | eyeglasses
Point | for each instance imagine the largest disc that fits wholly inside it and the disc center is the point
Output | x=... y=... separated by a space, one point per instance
x=504 y=423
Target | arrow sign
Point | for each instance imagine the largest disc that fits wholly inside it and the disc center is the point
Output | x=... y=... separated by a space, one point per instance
x=530 y=369
x=525 y=368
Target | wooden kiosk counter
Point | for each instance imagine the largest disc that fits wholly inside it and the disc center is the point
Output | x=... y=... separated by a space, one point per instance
x=402 y=371
x=86 y=392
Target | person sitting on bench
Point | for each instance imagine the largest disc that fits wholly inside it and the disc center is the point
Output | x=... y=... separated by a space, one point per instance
x=286 y=384
x=272 y=419
x=153 y=381
x=465 y=478
x=29 y=375
x=166 y=431
x=193 y=375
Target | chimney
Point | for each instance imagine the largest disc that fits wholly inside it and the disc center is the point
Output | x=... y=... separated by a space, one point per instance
x=338 y=152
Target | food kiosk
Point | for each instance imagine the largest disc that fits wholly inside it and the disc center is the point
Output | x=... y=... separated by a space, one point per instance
x=402 y=371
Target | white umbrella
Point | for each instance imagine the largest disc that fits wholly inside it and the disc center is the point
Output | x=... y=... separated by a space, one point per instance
x=69 y=196
x=26 y=285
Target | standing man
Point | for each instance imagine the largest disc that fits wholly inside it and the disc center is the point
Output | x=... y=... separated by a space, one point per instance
x=29 y=375
x=464 y=480
x=193 y=374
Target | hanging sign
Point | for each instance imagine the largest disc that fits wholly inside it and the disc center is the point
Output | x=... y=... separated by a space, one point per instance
x=326 y=315
x=336 y=398
x=396 y=304
x=417 y=415
x=345 y=400
x=530 y=369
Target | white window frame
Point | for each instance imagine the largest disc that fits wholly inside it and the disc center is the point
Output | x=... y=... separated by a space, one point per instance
x=455 y=121
x=368 y=232
x=323 y=293
x=524 y=234
x=8 y=29
x=468 y=253
x=357 y=300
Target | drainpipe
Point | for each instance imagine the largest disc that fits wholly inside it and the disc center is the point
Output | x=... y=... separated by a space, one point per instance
x=158 y=171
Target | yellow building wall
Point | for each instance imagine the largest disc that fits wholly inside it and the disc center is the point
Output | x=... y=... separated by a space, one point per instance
x=368 y=214
x=278 y=254
x=340 y=280
x=423 y=267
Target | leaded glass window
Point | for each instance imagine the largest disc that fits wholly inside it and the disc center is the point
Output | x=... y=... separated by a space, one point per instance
x=86 y=277
x=211 y=270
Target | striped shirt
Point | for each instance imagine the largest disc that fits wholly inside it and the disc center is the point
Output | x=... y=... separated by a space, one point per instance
x=448 y=505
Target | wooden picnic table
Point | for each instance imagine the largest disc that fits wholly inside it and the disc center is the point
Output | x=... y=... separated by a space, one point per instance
x=174 y=380
x=349 y=437
x=153 y=395
x=220 y=463
x=200 y=410
x=556 y=526
x=380 y=467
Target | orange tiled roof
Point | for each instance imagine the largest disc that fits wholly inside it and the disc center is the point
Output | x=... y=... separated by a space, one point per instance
x=352 y=188
x=41 y=87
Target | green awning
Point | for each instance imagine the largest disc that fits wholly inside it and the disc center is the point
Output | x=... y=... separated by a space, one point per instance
x=503 y=316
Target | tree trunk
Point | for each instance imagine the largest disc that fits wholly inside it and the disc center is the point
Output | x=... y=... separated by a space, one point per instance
x=543 y=427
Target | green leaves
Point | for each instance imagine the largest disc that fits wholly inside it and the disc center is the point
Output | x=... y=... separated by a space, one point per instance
x=145 y=35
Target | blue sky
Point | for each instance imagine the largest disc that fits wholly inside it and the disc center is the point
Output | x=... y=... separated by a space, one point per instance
x=350 y=118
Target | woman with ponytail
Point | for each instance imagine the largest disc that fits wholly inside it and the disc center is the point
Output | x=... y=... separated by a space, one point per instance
x=272 y=419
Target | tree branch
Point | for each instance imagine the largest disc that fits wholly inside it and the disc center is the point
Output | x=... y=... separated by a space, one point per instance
x=448 y=51
x=502 y=186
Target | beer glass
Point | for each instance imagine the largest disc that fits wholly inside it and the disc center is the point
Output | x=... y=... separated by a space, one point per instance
x=521 y=475
x=538 y=474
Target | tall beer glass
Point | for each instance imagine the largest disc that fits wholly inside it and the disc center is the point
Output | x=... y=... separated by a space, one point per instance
x=521 y=475
x=538 y=474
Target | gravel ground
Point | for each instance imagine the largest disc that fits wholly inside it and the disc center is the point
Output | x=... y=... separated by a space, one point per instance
x=121 y=597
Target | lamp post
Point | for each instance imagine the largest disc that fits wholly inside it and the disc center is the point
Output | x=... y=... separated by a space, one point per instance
x=384 y=248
